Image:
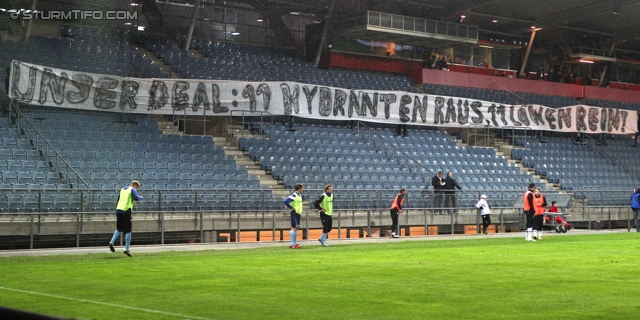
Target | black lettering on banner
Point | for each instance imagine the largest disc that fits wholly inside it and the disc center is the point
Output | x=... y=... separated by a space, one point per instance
x=325 y=105
x=353 y=104
x=492 y=111
x=603 y=119
x=31 y=87
x=180 y=99
x=104 y=95
x=403 y=111
x=265 y=90
x=215 y=99
x=50 y=81
x=522 y=116
x=309 y=94
x=83 y=82
x=513 y=120
x=438 y=116
x=128 y=92
x=290 y=99
x=548 y=114
x=420 y=108
x=388 y=99
x=372 y=105
x=341 y=99
x=623 y=115
x=564 y=117
x=200 y=97
x=158 y=95
x=463 y=113
x=501 y=110
x=249 y=92
x=451 y=111
x=614 y=119
x=581 y=125
x=475 y=106
x=536 y=115
x=593 y=119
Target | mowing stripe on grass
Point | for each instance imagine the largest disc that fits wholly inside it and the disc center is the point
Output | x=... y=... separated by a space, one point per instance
x=105 y=304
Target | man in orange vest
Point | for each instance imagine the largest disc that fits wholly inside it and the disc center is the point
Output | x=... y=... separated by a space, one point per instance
x=529 y=210
x=396 y=207
x=539 y=206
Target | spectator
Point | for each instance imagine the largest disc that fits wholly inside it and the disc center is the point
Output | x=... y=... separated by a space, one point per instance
x=588 y=81
x=635 y=139
x=540 y=73
x=450 y=185
x=426 y=63
x=401 y=130
x=442 y=64
x=570 y=79
x=438 y=185
x=485 y=212
x=551 y=77
x=635 y=206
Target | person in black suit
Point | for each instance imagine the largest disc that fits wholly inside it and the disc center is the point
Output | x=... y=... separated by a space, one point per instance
x=449 y=187
x=438 y=185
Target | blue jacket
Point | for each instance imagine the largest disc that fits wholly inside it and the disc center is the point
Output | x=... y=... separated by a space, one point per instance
x=635 y=199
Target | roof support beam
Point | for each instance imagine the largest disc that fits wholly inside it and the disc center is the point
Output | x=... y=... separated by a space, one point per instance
x=581 y=13
x=454 y=6
x=626 y=34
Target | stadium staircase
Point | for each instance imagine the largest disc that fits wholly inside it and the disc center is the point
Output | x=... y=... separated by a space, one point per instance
x=158 y=62
x=235 y=131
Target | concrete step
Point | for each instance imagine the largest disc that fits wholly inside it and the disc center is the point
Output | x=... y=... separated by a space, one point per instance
x=233 y=152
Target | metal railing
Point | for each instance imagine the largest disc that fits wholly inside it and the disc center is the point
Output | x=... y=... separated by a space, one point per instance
x=38 y=141
x=158 y=218
x=245 y=119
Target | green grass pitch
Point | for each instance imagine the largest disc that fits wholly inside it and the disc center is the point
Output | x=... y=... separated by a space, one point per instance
x=560 y=277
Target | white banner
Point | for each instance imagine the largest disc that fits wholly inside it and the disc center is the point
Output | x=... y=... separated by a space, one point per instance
x=39 y=85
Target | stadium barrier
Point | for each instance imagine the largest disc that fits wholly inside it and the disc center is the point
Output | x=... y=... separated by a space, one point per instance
x=158 y=223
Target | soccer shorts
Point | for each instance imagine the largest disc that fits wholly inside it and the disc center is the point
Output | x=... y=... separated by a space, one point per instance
x=295 y=219
x=124 y=222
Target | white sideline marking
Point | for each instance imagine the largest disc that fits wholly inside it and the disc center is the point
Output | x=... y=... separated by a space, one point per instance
x=105 y=304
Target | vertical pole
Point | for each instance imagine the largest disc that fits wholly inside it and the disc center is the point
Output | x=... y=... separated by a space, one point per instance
x=201 y=228
x=526 y=55
x=27 y=33
x=196 y=10
x=604 y=71
x=78 y=230
x=238 y=239
x=31 y=232
x=325 y=30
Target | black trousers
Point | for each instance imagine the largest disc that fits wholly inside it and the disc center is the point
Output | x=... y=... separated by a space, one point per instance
x=450 y=200
x=529 y=218
x=327 y=222
x=538 y=221
x=394 y=220
x=486 y=221
x=438 y=199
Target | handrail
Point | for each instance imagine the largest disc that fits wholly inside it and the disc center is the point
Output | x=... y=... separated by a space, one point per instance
x=395 y=147
x=261 y=114
x=619 y=159
x=39 y=135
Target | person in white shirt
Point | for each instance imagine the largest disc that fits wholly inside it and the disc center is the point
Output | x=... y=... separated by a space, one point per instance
x=485 y=212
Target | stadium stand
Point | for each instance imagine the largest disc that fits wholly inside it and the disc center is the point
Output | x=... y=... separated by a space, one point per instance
x=180 y=164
